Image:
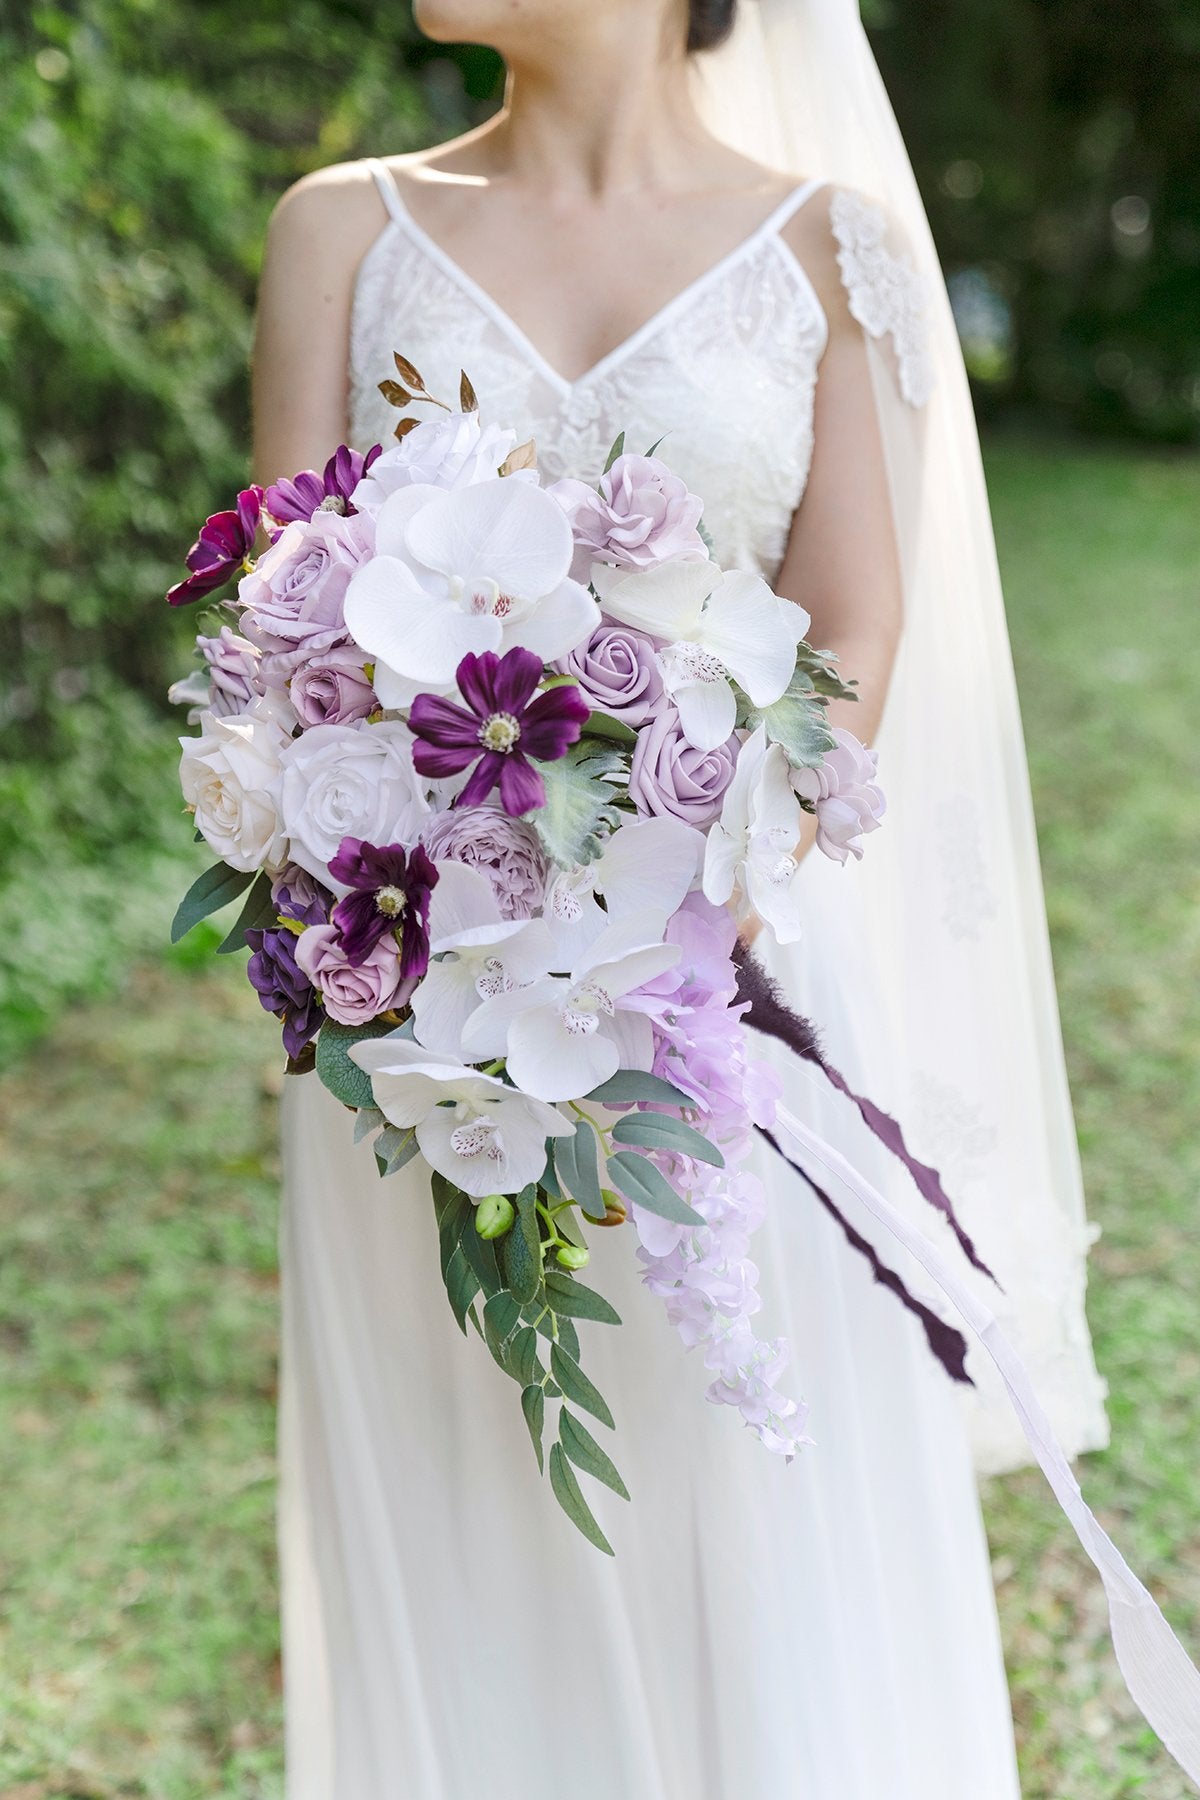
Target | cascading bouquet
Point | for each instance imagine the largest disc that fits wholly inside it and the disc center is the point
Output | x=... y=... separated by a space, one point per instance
x=502 y=766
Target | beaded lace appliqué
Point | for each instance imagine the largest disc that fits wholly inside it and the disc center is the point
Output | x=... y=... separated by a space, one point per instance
x=885 y=292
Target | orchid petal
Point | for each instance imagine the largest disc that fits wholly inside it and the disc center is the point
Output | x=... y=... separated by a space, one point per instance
x=487 y=1033
x=667 y=601
x=462 y=900
x=553 y=1063
x=396 y=620
x=707 y=712
x=502 y=531
x=754 y=634
x=564 y=618
x=649 y=863
x=392 y=519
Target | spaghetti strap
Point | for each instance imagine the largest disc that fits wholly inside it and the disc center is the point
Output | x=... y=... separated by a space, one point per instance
x=789 y=207
x=385 y=181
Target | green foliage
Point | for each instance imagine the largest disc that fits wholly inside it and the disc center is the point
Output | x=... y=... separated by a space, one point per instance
x=579 y=801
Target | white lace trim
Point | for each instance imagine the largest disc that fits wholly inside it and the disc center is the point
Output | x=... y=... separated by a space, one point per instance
x=886 y=293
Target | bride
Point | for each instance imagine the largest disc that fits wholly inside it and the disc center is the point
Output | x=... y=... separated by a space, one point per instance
x=669 y=230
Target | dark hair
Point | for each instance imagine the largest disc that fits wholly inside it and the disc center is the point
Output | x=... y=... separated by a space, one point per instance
x=709 y=23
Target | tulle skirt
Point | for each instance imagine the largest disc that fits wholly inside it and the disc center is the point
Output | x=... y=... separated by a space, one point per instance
x=820 y=1631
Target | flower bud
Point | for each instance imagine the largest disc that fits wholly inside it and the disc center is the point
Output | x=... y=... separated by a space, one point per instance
x=494 y=1216
x=573 y=1256
x=614 y=1208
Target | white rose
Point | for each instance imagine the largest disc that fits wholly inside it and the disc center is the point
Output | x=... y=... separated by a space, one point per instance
x=447 y=453
x=230 y=775
x=350 y=781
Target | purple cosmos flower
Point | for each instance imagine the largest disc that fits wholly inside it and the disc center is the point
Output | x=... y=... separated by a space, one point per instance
x=281 y=986
x=307 y=493
x=390 y=889
x=226 y=540
x=499 y=729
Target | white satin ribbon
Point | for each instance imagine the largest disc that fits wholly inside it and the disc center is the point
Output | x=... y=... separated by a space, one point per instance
x=1158 y=1672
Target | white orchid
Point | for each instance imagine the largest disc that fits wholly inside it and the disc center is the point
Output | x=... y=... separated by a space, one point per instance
x=479 y=954
x=480 y=568
x=564 y=1034
x=479 y=1133
x=718 y=627
x=646 y=863
x=749 y=848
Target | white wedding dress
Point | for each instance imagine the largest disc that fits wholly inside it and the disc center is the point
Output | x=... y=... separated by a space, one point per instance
x=820 y=1631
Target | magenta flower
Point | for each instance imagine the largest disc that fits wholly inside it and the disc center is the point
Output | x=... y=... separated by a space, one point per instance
x=390 y=889
x=499 y=729
x=226 y=540
x=306 y=493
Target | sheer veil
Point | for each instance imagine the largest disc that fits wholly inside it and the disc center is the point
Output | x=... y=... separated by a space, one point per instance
x=951 y=887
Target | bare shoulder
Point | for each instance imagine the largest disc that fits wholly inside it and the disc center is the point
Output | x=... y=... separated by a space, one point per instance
x=328 y=217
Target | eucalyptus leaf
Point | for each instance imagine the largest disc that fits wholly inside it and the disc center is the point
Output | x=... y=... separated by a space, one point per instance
x=367 y=1120
x=576 y=1385
x=462 y=1285
x=519 y=1250
x=576 y=1162
x=630 y=1085
x=569 y=1495
x=259 y=910
x=394 y=1148
x=523 y=1356
x=533 y=1405
x=663 y=1131
x=344 y=1079
x=481 y=1254
x=208 y=894
x=634 y=1176
x=568 y=1295
x=579 y=802
x=586 y=1453
x=501 y=1316
x=618 y=449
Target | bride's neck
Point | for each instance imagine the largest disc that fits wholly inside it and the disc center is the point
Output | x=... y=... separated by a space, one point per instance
x=599 y=123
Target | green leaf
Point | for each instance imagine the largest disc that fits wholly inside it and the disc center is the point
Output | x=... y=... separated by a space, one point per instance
x=630 y=1085
x=576 y=1163
x=481 y=1254
x=501 y=1316
x=798 y=722
x=462 y=1285
x=576 y=1385
x=663 y=1131
x=259 y=910
x=603 y=725
x=523 y=1356
x=533 y=1405
x=367 y=1120
x=394 y=1148
x=587 y=1455
x=617 y=450
x=568 y=1295
x=344 y=1079
x=520 y=1249
x=570 y=1497
x=579 y=802
x=208 y=894
x=632 y=1175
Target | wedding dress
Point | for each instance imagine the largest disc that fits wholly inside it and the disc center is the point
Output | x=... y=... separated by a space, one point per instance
x=820 y=1631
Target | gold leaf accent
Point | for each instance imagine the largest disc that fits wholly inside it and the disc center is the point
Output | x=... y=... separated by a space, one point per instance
x=523 y=457
x=466 y=394
x=394 y=394
x=409 y=373
x=405 y=426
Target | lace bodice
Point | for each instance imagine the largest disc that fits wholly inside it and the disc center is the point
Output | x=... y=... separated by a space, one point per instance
x=726 y=372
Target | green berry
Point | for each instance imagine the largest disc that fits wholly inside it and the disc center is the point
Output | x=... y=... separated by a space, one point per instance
x=494 y=1216
x=573 y=1256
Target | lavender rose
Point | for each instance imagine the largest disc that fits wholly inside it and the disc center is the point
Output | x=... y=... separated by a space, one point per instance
x=617 y=672
x=505 y=850
x=845 y=795
x=293 y=597
x=641 y=515
x=333 y=688
x=670 y=779
x=353 y=994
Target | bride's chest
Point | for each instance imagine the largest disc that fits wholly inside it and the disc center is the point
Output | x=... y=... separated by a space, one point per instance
x=724 y=375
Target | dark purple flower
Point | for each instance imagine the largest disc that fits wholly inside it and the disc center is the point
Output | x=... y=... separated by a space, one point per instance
x=500 y=728
x=306 y=493
x=226 y=540
x=281 y=986
x=390 y=892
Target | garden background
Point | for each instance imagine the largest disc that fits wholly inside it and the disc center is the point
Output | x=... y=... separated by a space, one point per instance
x=142 y=143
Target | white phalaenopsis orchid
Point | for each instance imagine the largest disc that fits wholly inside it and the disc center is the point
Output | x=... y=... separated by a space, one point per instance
x=565 y=1034
x=475 y=954
x=717 y=626
x=749 y=849
x=648 y=863
x=480 y=568
x=479 y=1133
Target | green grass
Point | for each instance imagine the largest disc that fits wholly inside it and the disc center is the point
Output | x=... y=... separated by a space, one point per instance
x=137 y=1209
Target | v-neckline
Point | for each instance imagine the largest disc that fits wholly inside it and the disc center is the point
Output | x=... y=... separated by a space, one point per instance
x=401 y=216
